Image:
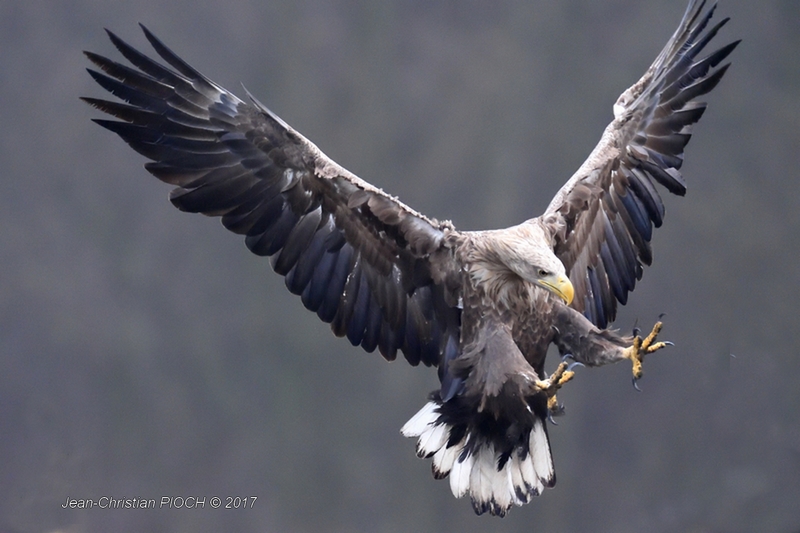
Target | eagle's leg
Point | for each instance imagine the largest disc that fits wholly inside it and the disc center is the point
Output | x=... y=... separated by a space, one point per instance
x=641 y=347
x=587 y=344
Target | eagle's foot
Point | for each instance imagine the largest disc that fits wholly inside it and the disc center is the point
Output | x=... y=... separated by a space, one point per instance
x=642 y=347
x=553 y=407
x=550 y=386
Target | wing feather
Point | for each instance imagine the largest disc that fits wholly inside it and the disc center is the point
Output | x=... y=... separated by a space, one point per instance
x=602 y=219
x=356 y=256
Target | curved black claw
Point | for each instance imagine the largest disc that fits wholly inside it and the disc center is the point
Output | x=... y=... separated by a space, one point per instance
x=556 y=410
x=573 y=365
x=635 y=384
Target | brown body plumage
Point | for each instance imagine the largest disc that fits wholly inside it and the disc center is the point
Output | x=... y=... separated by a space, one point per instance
x=482 y=306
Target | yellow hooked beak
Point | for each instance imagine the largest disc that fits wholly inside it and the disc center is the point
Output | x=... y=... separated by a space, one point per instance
x=559 y=285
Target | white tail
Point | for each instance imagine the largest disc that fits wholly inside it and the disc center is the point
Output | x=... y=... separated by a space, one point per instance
x=474 y=466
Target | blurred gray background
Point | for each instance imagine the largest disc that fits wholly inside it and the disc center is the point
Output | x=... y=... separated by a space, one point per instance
x=146 y=353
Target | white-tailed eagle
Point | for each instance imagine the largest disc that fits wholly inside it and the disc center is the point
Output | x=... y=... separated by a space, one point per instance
x=482 y=306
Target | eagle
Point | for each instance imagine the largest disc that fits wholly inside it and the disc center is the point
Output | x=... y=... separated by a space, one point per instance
x=481 y=306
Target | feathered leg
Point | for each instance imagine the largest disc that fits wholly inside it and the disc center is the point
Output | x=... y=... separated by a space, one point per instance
x=577 y=336
x=491 y=437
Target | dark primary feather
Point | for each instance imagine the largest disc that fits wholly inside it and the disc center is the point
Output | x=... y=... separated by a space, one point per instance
x=603 y=218
x=357 y=257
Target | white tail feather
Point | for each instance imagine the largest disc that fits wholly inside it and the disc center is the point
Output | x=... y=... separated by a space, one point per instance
x=489 y=488
x=540 y=452
x=433 y=439
x=481 y=479
x=529 y=476
x=522 y=488
x=420 y=422
x=443 y=459
x=459 y=476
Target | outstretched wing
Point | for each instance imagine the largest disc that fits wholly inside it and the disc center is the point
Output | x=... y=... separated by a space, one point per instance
x=357 y=257
x=602 y=219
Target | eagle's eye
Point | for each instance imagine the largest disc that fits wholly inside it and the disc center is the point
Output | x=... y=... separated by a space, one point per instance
x=543 y=273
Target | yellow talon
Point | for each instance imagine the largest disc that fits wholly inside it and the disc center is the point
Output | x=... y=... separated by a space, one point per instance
x=551 y=385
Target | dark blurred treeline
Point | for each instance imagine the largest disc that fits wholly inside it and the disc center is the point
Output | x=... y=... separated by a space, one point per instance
x=145 y=353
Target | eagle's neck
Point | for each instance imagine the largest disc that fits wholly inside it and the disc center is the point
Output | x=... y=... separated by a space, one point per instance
x=495 y=285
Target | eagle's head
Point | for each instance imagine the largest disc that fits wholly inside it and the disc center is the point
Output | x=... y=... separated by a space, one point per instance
x=530 y=256
x=544 y=270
